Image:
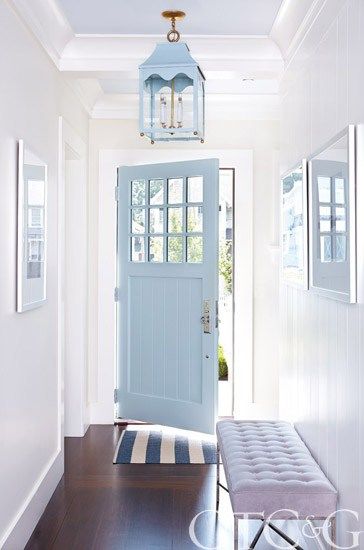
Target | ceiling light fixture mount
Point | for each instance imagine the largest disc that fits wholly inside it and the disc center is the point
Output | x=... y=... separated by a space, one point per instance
x=172 y=90
x=173 y=35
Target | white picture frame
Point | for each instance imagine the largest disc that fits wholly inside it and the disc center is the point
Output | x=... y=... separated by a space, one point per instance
x=294 y=223
x=332 y=218
x=32 y=230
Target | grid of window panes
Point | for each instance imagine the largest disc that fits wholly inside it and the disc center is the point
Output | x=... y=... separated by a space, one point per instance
x=166 y=220
x=332 y=218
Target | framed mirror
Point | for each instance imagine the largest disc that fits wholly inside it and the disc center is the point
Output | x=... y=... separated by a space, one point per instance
x=294 y=226
x=32 y=192
x=332 y=195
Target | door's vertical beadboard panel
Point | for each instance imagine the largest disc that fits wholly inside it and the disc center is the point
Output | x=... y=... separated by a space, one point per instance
x=158 y=335
x=184 y=286
x=146 y=317
x=134 y=375
x=171 y=339
x=155 y=341
x=322 y=341
x=196 y=335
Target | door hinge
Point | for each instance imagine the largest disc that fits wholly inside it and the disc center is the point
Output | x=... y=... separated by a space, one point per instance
x=115 y=395
x=116 y=193
x=116 y=294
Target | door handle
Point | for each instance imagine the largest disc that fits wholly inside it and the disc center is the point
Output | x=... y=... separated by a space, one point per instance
x=205 y=319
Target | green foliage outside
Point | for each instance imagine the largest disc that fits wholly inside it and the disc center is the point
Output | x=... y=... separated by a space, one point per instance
x=223 y=367
x=175 y=243
x=226 y=265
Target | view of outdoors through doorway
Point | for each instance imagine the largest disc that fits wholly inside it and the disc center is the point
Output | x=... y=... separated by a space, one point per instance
x=226 y=289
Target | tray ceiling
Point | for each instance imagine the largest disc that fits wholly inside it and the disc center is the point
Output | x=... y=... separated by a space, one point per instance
x=214 y=17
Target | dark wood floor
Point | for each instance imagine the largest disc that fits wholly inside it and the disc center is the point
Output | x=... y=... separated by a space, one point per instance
x=99 y=505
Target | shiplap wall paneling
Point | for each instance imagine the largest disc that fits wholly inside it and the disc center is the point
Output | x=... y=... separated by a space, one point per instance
x=322 y=341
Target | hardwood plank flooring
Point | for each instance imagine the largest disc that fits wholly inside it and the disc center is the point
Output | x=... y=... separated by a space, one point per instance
x=101 y=506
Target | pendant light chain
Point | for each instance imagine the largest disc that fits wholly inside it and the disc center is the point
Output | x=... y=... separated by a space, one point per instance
x=173 y=35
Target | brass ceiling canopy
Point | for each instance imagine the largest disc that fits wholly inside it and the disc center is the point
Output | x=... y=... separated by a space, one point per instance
x=173 y=35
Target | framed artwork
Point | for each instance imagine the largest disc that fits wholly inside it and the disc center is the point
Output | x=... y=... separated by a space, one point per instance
x=32 y=217
x=294 y=227
x=332 y=206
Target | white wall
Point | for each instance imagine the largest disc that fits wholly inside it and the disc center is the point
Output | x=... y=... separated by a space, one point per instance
x=76 y=413
x=111 y=141
x=32 y=96
x=321 y=384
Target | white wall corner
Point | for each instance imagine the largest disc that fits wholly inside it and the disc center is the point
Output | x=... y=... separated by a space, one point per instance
x=47 y=22
x=87 y=90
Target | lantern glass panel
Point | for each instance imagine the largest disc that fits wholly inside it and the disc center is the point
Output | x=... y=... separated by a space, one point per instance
x=169 y=107
x=201 y=106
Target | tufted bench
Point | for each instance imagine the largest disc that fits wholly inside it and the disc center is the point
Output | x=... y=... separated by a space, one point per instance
x=269 y=470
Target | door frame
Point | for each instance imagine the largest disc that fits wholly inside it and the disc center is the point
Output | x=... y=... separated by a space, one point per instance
x=103 y=369
x=231 y=381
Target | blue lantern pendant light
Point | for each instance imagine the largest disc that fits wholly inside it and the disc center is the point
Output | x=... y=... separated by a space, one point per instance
x=172 y=91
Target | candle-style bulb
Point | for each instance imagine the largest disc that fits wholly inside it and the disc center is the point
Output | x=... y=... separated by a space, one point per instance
x=163 y=111
x=180 y=111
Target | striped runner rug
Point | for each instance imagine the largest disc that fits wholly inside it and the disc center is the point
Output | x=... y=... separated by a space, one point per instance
x=157 y=445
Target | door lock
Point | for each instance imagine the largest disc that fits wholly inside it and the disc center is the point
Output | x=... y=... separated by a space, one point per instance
x=205 y=319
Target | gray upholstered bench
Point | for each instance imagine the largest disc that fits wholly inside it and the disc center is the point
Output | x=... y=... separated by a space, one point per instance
x=268 y=469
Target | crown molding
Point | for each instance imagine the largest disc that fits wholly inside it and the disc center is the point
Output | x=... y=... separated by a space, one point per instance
x=290 y=17
x=48 y=24
x=299 y=27
x=138 y=47
x=313 y=28
x=250 y=56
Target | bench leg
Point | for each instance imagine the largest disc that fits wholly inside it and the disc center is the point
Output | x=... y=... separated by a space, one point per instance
x=236 y=533
x=217 y=476
x=333 y=533
x=257 y=536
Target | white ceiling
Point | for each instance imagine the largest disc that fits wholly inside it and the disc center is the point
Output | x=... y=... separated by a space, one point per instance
x=214 y=17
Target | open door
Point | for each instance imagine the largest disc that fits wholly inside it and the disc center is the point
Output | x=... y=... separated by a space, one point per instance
x=167 y=293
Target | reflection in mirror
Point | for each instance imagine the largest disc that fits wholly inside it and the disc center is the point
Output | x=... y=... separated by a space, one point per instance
x=294 y=226
x=31 y=279
x=332 y=192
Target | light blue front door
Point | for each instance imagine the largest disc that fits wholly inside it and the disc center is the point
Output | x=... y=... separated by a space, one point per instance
x=168 y=290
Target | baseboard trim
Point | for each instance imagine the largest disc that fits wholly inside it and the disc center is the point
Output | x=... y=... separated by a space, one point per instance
x=18 y=532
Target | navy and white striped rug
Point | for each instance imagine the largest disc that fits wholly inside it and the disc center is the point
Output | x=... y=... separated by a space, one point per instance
x=164 y=446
